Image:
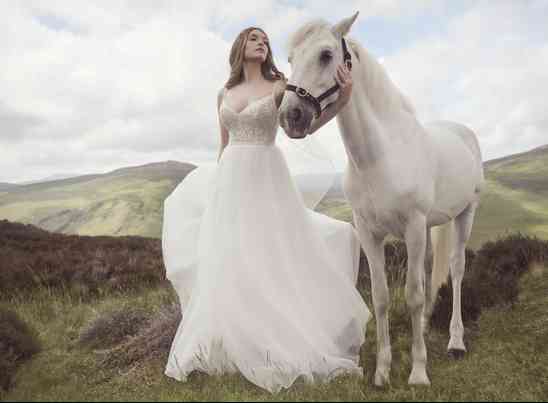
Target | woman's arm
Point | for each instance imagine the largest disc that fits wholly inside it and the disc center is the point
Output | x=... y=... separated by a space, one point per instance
x=224 y=131
x=279 y=90
x=344 y=79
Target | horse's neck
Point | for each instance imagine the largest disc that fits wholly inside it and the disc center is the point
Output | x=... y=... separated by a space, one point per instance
x=369 y=131
x=362 y=132
x=360 y=136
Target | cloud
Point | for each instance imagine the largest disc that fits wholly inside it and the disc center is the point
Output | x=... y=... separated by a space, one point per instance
x=122 y=80
x=489 y=70
x=91 y=86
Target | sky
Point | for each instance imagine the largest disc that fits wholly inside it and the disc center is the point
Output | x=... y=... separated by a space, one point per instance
x=92 y=86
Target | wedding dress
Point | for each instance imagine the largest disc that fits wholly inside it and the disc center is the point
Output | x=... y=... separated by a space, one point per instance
x=266 y=285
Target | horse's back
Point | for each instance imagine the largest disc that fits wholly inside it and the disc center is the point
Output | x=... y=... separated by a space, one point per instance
x=466 y=134
x=459 y=173
x=453 y=138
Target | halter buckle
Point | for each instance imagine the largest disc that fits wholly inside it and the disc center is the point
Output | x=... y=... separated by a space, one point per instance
x=301 y=92
x=348 y=64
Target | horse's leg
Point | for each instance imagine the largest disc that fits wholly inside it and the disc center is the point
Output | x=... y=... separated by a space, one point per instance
x=374 y=250
x=463 y=228
x=429 y=303
x=416 y=239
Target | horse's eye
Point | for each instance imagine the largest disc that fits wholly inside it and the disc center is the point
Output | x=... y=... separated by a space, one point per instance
x=325 y=57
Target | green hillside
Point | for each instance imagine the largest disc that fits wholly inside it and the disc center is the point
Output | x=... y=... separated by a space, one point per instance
x=515 y=198
x=126 y=201
x=129 y=201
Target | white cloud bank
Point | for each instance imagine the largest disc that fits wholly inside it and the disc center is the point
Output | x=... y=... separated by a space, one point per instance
x=92 y=86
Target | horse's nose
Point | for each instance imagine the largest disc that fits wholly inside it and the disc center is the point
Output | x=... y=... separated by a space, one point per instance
x=295 y=114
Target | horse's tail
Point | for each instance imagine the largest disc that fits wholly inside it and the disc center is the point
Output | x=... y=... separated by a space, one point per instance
x=442 y=242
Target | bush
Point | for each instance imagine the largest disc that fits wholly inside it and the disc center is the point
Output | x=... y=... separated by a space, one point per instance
x=470 y=304
x=112 y=328
x=491 y=277
x=152 y=342
x=18 y=342
x=31 y=258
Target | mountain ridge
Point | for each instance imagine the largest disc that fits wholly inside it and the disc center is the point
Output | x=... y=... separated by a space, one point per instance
x=129 y=200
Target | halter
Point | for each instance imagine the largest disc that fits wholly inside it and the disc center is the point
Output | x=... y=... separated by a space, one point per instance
x=303 y=93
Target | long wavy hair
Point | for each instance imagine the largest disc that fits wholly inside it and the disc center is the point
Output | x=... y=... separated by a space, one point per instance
x=237 y=53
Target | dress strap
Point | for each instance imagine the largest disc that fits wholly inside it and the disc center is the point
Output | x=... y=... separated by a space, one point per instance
x=221 y=96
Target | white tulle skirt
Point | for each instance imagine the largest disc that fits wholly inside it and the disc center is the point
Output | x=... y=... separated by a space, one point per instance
x=266 y=285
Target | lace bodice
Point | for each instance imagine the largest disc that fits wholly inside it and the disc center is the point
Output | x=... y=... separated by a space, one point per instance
x=257 y=123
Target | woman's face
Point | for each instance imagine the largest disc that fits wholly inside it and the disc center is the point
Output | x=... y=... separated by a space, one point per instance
x=256 y=46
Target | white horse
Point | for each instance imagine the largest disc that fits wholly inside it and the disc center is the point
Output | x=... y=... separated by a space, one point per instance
x=402 y=178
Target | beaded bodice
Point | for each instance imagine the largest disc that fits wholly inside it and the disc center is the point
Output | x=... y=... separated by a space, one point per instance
x=257 y=123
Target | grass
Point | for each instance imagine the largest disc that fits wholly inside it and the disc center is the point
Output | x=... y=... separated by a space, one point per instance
x=503 y=210
x=507 y=358
x=336 y=208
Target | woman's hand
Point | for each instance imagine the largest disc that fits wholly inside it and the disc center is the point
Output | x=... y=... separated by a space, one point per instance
x=344 y=79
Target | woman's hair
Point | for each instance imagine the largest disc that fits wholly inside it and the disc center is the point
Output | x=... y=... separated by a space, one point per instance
x=237 y=54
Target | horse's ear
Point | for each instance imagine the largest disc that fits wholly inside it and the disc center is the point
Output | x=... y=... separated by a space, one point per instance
x=341 y=28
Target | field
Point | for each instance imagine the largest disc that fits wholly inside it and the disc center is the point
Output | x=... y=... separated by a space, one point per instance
x=92 y=317
x=124 y=359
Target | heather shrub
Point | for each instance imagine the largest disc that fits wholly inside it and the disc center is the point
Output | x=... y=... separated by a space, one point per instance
x=491 y=277
x=113 y=327
x=470 y=303
x=153 y=341
x=85 y=265
x=18 y=342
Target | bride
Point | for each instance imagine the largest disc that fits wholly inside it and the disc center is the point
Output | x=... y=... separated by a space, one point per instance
x=266 y=285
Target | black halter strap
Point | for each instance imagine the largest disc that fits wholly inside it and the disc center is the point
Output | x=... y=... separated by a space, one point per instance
x=316 y=102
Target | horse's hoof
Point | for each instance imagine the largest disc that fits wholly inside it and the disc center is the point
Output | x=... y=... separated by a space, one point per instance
x=381 y=379
x=456 y=354
x=418 y=377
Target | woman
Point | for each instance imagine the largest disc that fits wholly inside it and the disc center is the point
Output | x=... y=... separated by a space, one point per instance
x=267 y=286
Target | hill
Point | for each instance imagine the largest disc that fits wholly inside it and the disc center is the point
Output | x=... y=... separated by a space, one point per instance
x=126 y=201
x=515 y=198
x=7 y=186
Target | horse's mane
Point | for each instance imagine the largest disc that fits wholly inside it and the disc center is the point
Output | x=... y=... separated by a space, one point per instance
x=382 y=92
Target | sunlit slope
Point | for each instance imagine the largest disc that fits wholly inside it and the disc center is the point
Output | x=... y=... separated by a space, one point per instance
x=126 y=201
x=129 y=201
x=515 y=198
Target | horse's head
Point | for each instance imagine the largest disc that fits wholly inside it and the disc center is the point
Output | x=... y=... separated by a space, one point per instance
x=314 y=51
